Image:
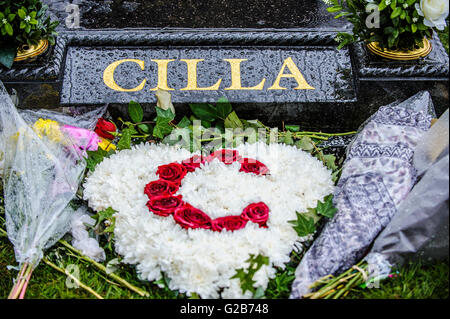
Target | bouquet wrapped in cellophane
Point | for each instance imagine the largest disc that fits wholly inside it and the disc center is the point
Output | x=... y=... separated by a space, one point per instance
x=43 y=164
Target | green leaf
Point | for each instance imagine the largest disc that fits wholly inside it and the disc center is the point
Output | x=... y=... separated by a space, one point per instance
x=204 y=112
x=382 y=5
x=388 y=30
x=8 y=28
x=305 y=143
x=303 y=225
x=421 y=26
x=246 y=276
x=7 y=55
x=162 y=127
x=185 y=122
x=397 y=11
x=252 y=123
x=330 y=161
x=21 y=13
x=135 y=111
x=164 y=114
x=292 y=128
x=326 y=208
x=413 y=28
x=223 y=108
x=233 y=121
x=103 y=215
x=403 y=15
x=288 y=140
x=335 y=9
x=125 y=141
x=393 y=4
x=94 y=158
x=144 y=127
x=391 y=41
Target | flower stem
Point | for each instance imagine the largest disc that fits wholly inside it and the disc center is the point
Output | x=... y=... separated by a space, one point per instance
x=119 y=279
x=27 y=280
x=79 y=283
x=24 y=273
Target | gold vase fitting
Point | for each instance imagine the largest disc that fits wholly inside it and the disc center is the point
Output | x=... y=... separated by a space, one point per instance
x=401 y=55
x=26 y=51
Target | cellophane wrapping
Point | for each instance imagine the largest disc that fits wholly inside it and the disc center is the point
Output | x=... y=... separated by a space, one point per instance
x=42 y=170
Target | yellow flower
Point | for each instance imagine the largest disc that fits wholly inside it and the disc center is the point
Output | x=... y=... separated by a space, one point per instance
x=106 y=145
x=48 y=128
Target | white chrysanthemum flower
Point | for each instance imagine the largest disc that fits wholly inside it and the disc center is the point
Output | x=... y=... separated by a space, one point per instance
x=198 y=260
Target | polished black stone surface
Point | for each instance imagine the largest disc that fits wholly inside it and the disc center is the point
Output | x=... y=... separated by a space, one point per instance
x=280 y=14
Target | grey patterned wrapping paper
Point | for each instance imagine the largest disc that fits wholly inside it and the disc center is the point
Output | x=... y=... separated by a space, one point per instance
x=377 y=175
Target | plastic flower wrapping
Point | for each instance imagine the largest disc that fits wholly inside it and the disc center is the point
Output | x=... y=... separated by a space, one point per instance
x=43 y=164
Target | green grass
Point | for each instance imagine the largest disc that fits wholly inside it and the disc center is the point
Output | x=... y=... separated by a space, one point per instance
x=416 y=281
x=47 y=283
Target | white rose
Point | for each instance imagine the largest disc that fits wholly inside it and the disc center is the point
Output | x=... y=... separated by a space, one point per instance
x=434 y=12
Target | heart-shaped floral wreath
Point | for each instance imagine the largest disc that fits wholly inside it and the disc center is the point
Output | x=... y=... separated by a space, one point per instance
x=163 y=200
x=197 y=257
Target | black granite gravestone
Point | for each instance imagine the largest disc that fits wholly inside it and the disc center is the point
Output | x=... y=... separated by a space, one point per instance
x=274 y=60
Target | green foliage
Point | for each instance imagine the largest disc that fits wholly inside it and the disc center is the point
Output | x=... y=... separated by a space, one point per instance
x=400 y=25
x=103 y=215
x=96 y=157
x=104 y=225
x=218 y=114
x=305 y=224
x=326 y=207
x=233 y=121
x=125 y=141
x=23 y=22
x=135 y=111
x=246 y=275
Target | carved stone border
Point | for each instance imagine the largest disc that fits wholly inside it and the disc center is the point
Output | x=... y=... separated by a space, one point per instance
x=431 y=68
x=51 y=69
x=436 y=68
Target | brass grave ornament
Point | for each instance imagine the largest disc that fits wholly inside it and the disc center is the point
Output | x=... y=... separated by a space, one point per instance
x=30 y=52
x=401 y=55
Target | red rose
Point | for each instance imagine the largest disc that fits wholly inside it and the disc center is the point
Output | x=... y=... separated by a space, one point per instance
x=188 y=216
x=103 y=127
x=257 y=213
x=191 y=164
x=229 y=223
x=159 y=188
x=226 y=156
x=173 y=172
x=250 y=165
x=164 y=205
